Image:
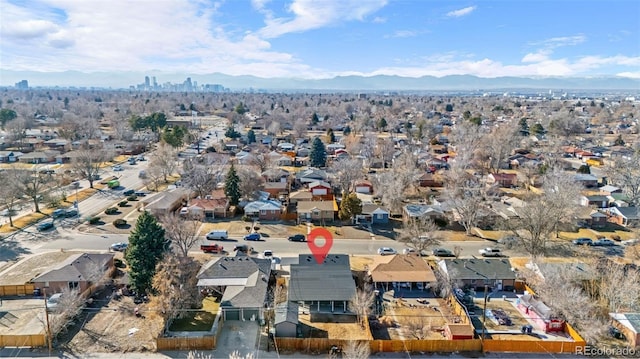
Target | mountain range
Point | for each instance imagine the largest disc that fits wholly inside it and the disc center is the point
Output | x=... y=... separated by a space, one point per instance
x=123 y=80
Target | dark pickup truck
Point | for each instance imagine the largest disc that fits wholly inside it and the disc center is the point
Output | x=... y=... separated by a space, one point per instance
x=211 y=248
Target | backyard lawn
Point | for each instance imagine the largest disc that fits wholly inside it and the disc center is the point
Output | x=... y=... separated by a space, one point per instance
x=198 y=321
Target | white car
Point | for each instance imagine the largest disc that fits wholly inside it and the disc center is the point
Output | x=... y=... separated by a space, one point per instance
x=490 y=252
x=53 y=301
x=384 y=251
x=118 y=168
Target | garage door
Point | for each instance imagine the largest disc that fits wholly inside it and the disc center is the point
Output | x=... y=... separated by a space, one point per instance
x=249 y=313
x=231 y=314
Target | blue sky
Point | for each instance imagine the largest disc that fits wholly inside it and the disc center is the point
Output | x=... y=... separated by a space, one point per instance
x=324 y=38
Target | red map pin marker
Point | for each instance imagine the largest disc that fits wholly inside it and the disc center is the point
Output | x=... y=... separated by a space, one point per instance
x=320 y=253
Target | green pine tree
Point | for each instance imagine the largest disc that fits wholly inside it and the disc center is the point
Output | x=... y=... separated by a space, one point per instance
x=232 y=186
x=318 y=154
x=147 y=245
x=331 y=137
x=251 y=136
x=350 y=206
x=314 y=118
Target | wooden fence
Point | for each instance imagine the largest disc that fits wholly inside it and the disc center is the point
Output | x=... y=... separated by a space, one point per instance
x=530 y=346
x=320 y=345
x=14 y=290
x=31 y=340
x=458 y=309
x=186 y=343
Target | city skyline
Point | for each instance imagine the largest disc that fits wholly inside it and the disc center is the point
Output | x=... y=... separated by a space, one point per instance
x=322 y=39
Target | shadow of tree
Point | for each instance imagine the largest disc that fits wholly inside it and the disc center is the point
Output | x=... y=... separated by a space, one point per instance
x=11 y=250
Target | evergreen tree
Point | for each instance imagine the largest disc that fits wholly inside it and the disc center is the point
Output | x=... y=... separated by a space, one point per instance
x=232 y=133
x=350 y=206
x=331 y=137
x=314 y=119
x=346 y=131
x=251 y=136
x=524 y=127
x=318 y=154
x=382 y=124
x=584 y=169
x=537 y=129
x=175 y=136
x=147 y=245
x=232 y=186
x=619 y=141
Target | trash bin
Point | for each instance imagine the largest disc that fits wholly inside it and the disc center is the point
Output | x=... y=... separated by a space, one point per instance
x=529 y=329
x=524 y=329
x=36 y=292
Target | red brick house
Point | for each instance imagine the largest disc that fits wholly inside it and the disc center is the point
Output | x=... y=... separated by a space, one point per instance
x=364 y=186
x=209 y=208
x=80 y=271
x=319 y=188
x=503 y=179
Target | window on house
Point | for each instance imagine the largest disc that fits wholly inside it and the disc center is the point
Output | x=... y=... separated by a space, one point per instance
x=263 y=212
x=73 y=285
x=379 y=216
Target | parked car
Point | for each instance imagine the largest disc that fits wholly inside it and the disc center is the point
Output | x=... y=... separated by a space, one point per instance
x=243 y=248
x=53 y=301
x=408 y=251
x=141 y=158
x=44 y=226
x=267 y=254
x=140 y=193
x=603 y=242
x=142 y=174
x=252 y=237
x=211 y=248
x=72 y=212
x=442 y=252
x=630 y=242
x=217 y=234
x=7 y=212
x=297 y=238
x=583 y=241
x=383 y=251
x=128 y=192
x=119 y=247
x=58 y=213
x=118 y=168
x=508 y=241
x=490 y=252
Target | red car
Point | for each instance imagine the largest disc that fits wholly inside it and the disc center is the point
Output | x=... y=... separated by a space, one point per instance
x=211 y=248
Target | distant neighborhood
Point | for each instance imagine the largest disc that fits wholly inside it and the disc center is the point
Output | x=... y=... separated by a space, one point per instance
x=460 y=223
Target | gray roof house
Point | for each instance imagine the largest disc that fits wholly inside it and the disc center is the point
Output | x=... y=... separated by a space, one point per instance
x=80 y=271
x=476 y=273
x=414 y=211
x=325 y=289
x=243 y=283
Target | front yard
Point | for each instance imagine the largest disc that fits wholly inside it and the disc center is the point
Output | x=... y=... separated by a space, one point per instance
x=200 y=320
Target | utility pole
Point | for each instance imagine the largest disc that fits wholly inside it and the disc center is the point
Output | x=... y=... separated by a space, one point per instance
x=46 y=315
x=484 y=311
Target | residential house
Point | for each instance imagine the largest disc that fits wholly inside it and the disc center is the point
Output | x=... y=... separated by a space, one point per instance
x=591 y=218
x=10 y=156
x=36 y=157
x=276 y=189
x=373 y=213
x=286 y=319
x=286 y=146
x=276 y=175
x=208 y=207
x=279 y=159
x=316 y=211
x=299 y=196
x=166 y=202
x=476 y=273
x=319 y=188
x=609 y=190
x=578 y=270
x=59 y=144
x=428 y=179
x=79 y=271
x=242 y=282
x=333 y=147
x=311 y=175
x=625 y=216
x=629 y=325
x=401 y=271
x=505 y=180
x=264 y=209
x=416 y=211
x=364 y=186
x=597 y=201
x=323 y=289
x=587 y=180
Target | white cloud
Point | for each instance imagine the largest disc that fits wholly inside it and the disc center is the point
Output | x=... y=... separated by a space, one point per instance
x=461 y=12
x=379 y=20
x=541 y=55
x=632 y=75
x=556 y=42
x=310 y=14
x=401 y=34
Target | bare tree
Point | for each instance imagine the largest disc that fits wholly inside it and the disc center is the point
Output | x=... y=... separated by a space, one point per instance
x=356 y=349
x=421 y=233
x=154 y=176
x=300 y=129
x=418 y=327
x=68 y=307
x=499 y=144
x=262 y=162
x=468 y=195
x=182 y=231
x=346 y=172
x=625 y=173
x=202 y=178
x=9 y=196
x=613 y=278
x=543 y=213
x=165 y=158
x=30 y=183
x=361 y=303
x=250 y=183
x=87 y=162
x=17 y=131
x=176 y=283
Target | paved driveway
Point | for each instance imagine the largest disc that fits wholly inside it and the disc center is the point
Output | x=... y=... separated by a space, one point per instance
x=237 y=335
